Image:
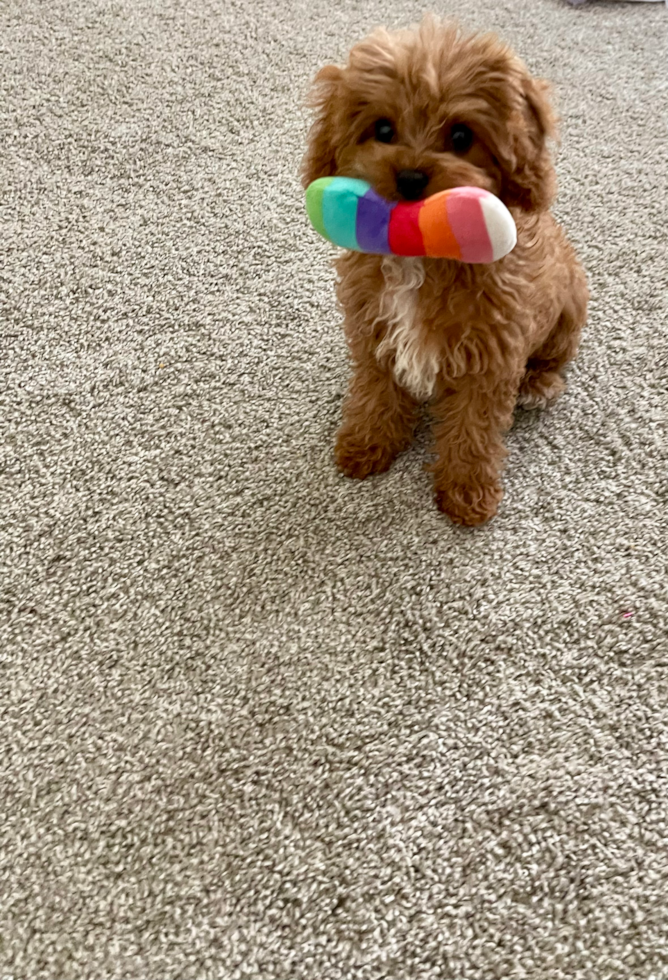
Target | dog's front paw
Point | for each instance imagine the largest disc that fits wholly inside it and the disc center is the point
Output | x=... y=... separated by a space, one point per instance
x=468 y=503
x=358 y=459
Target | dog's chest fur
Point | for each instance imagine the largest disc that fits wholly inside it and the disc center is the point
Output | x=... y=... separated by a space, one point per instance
x=415 y=360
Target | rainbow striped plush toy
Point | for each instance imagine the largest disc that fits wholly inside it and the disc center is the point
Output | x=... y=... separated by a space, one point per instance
x=464 y=223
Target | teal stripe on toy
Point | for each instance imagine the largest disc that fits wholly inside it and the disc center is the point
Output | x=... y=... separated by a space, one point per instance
x=339 y=210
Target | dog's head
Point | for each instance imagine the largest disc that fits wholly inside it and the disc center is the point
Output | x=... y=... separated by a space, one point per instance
x=415 y=112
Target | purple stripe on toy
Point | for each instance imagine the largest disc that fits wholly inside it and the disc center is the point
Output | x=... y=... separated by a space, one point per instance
x=373 y=219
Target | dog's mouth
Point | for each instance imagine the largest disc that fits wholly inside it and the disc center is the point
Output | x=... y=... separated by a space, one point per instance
x=412 y=185
x=417 y=185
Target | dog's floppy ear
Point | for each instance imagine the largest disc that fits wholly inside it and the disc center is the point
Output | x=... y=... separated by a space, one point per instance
x=531 y=182
x=319 y=160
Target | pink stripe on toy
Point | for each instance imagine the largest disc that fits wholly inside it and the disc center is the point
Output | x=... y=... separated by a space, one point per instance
x=467 y=220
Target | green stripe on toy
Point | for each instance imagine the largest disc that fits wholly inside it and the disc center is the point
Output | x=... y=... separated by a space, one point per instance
x=464 y=223
x=314 y=196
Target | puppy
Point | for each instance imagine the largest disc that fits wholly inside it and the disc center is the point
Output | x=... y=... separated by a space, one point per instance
x=413 y=113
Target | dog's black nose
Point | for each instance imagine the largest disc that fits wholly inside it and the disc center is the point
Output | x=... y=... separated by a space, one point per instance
x=411 y=183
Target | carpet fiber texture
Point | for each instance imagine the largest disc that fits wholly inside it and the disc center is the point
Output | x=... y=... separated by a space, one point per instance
x=257 y=720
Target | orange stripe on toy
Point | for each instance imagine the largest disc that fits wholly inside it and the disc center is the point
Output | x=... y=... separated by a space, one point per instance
x=438 y=237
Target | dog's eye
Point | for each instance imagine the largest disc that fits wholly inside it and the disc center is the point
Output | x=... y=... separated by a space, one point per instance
x=461 y=138
x=383 y=130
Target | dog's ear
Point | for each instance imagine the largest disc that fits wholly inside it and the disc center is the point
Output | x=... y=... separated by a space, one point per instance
x=530 y=181
x=319 y=160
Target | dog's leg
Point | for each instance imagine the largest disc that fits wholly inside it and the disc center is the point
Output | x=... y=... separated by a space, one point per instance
x=543 y=381
x=379 y=419
x=470 y=422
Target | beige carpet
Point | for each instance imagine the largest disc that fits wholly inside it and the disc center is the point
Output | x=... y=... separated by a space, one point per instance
x=258 y=721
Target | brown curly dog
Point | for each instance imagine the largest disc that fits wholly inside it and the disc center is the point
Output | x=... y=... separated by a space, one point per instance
x=415 y=112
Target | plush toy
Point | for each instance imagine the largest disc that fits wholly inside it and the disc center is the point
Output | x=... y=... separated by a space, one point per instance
x=465 y=223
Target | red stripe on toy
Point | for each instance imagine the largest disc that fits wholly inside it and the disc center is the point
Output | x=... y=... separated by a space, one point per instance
x=467 y=221
x=404 y=236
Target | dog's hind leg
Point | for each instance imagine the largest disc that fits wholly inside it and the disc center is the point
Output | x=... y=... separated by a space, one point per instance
x=543 y=381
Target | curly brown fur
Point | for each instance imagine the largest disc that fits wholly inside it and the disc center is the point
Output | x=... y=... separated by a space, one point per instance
x=471 y=340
